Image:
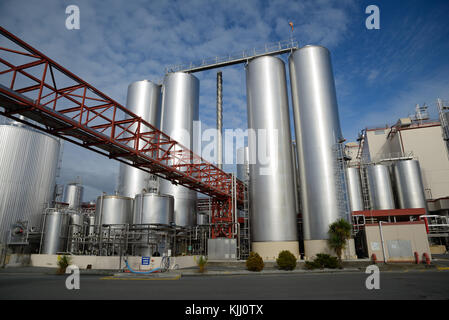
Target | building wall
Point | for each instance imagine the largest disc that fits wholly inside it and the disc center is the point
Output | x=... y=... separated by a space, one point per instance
x=414 y=232
x=425 y=143
x=429 y=148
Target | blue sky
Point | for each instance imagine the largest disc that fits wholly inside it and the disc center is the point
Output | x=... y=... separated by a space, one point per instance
x=380 y=74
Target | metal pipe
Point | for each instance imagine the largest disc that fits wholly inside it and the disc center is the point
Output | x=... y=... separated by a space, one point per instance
x=382 y=240
x=219 y=119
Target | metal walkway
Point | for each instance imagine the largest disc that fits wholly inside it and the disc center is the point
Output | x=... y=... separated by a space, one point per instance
x=39 y=92
x=271 y=49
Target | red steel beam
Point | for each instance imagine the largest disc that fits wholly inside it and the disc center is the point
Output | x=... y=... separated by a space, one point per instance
x=128 y=139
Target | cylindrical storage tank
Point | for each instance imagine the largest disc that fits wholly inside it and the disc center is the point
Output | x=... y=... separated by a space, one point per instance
x=55 y=231
x=409 y=184
x=90 y=221
x=202 y=219
x=28 y=167
x=380 y=189
x=76 y=230
x=73 y=195
x=113 y=210
x=243 y=164
x=317 y=128
x=271 y=185
x=354 y=189
x=180 y=105
x=144 y=100
x=153 y=208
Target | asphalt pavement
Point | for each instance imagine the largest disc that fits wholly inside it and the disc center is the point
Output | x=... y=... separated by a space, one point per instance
x=406 y=284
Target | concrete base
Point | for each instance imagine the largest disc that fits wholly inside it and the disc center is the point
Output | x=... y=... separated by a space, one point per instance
x=312 y=247
x=269 y=251
x=111 y=262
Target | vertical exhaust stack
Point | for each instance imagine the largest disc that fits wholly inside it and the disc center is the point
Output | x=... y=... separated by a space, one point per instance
x=272 y=209
x=220 y=120
x=318 y=133
x=144 y=100
x=180 y=108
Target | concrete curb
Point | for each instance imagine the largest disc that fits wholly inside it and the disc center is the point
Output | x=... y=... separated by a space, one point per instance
x=265 y=272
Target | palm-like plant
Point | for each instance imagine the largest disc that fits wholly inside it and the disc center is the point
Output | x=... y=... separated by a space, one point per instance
x=339 y=232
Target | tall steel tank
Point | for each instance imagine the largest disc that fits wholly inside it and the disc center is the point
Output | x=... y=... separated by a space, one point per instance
x=243 y=164
x=73 y=195
x=143 y=99
x=318 y=132
x=113 y=210
x=409 y=185
x=354 y=189
x=380 y=189
x=271 y=185
x=28 y=168
x=55 y=231
x=153 y=208
x=180 y=105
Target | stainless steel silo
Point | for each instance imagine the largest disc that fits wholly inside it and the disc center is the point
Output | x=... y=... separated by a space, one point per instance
x=153 y=208
x=73 y=195
x=380 y=189
x=202 y=219
x=354 y=189
x=271 y=186
x=144 y=100
x=243 y=164
x=318 y=133
x=113 y=210
x=180 y=105
x=55 y=231
x=76 y=231
x=28 y=168
x=409 y=184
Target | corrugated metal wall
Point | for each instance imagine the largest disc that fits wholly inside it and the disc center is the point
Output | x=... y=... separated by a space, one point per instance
x=28 y=168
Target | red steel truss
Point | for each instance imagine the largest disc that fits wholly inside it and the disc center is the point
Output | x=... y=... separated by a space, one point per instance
x=41 y=93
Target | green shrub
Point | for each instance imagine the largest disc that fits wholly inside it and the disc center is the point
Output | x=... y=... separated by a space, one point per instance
x=286 y=260
x=201 y=262
x=322 y=261
x=63 y=262
x=254 y=262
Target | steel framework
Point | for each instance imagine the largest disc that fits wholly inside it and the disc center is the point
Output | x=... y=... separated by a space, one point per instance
x=39 y=92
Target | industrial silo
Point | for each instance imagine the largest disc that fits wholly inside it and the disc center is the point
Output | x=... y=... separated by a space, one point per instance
x=380 y=189
x=180 y=105
x=73 y=195
x=113 y=210
x=409 y=185
x=55 y=231
x=271 y=188
x=144 y=100
x=28 y=168
x=354 y=189
x=243 y=164
x=153 y=208
x=318 y=135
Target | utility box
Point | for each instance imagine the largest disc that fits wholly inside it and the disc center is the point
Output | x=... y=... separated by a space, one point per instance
x=222 y=249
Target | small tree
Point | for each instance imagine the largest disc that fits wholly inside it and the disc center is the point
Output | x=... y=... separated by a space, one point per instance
x=339 y=232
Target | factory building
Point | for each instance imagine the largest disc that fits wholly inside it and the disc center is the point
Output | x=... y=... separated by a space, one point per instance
x=404 y=166
x=389 y=182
